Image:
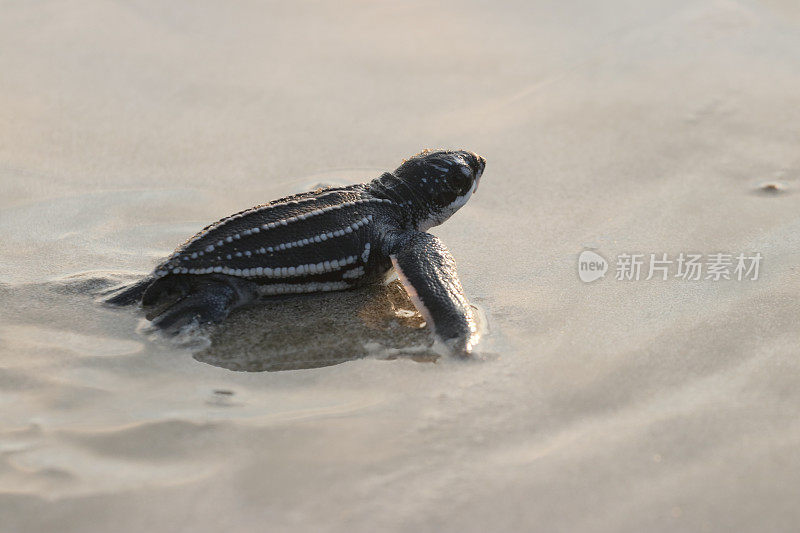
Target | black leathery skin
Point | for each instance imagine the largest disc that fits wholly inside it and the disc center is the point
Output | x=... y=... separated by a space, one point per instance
x=428 y=267
x=177 y=286
x=257 y=216
x=422 y=192
x=206 y=300
x=233 y=254
x=128 y=294
x=276 y=210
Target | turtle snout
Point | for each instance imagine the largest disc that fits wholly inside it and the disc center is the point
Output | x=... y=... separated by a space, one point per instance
x=480 y=165
x=477 y=163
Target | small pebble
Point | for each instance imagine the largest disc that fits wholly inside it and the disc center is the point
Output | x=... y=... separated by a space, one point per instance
x=771 y=188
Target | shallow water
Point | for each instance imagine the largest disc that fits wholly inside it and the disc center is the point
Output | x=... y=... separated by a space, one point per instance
x=647 y=127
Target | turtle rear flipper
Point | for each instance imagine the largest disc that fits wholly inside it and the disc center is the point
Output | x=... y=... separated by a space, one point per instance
x=128 y=294
x=179 y=301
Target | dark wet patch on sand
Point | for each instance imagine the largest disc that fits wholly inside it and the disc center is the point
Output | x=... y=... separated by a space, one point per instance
x=318 y=330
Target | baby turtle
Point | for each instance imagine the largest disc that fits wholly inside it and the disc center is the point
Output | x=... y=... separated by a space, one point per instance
x=325 y=240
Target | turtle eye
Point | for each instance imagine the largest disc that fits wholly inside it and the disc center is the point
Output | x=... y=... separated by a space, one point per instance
x=459 y=179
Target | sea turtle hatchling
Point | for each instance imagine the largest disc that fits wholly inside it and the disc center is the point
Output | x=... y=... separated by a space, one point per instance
x=325 y=240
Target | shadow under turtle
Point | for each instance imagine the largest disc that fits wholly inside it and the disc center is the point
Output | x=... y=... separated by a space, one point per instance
x=316 y=330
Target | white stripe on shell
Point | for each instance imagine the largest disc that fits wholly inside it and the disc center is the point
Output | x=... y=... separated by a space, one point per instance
x=317 y=212
x=314 y=286
x=266 y=272
x=316 y=238
x=168 y=266
x=303 y=201
x=353 y=273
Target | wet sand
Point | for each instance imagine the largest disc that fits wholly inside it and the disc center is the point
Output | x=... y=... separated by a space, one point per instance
x=621 y=127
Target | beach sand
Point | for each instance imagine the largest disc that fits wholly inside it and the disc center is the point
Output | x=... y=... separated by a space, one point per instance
x=663 y=127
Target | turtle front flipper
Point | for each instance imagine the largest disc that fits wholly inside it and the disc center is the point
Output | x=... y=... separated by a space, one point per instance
x=428 y=273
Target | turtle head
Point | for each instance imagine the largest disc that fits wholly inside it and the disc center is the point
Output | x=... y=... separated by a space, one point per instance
x=439 y=183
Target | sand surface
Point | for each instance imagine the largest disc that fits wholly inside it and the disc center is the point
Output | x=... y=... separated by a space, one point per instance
x=618 y=126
